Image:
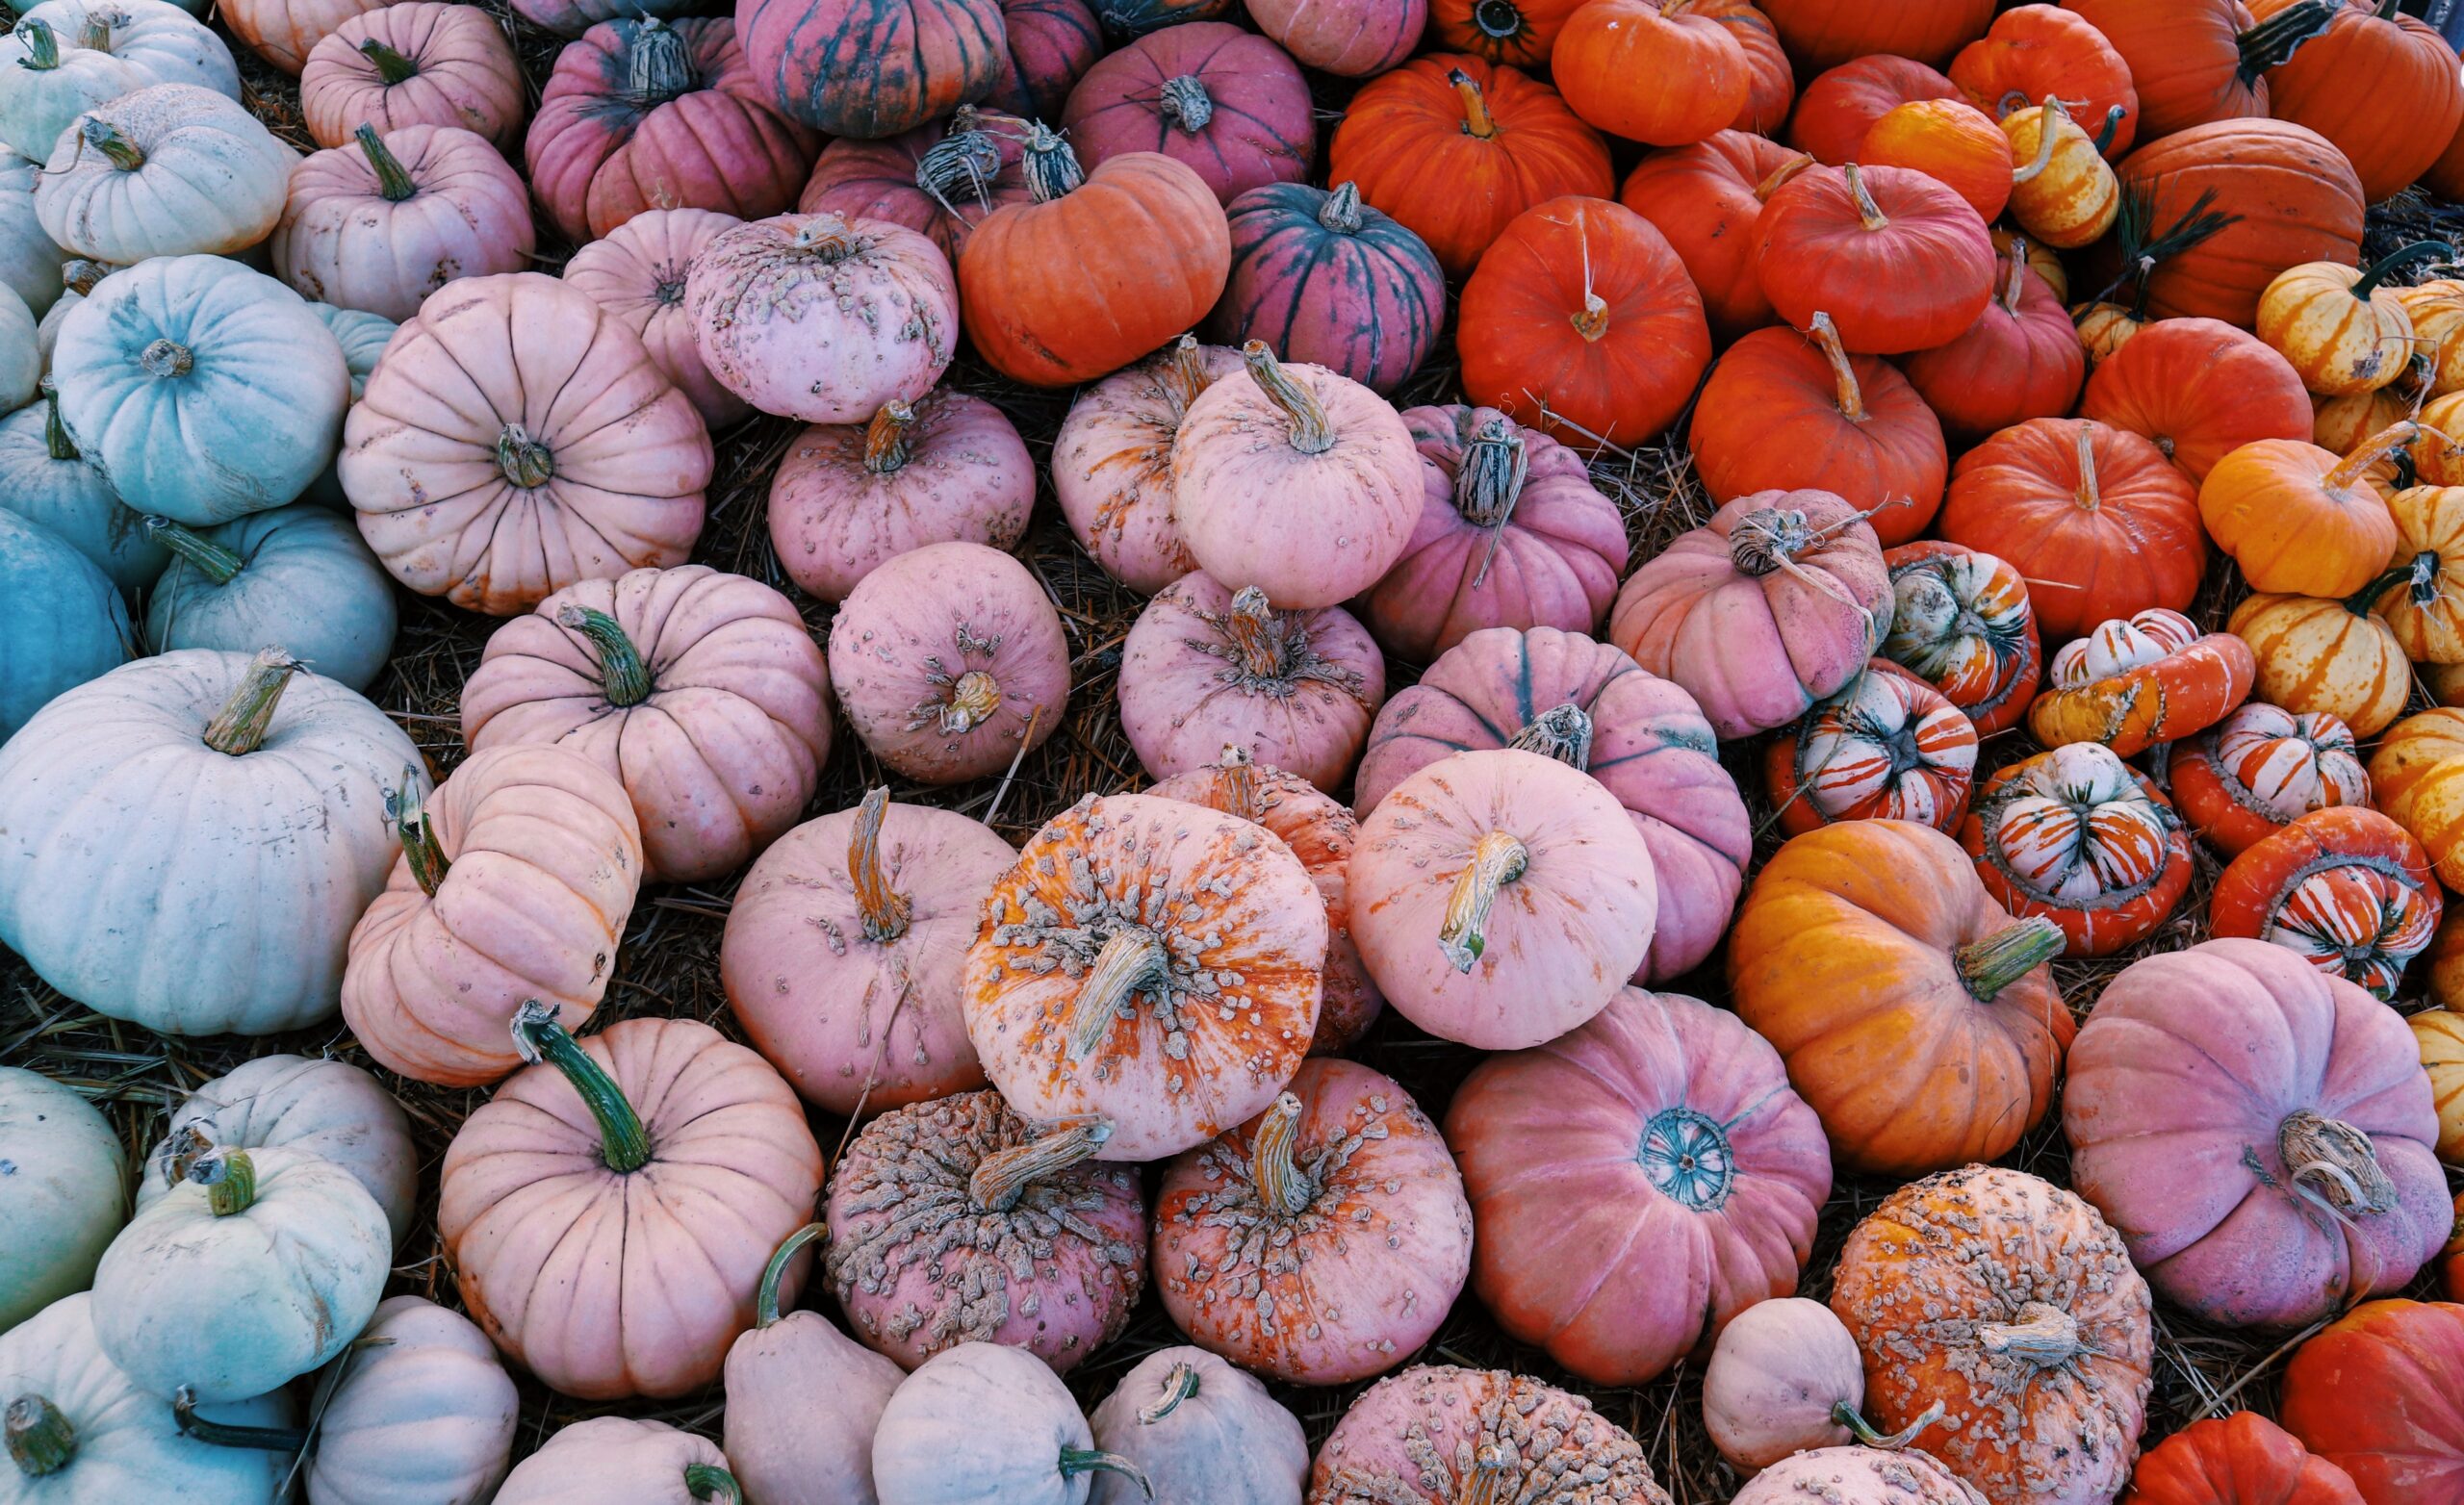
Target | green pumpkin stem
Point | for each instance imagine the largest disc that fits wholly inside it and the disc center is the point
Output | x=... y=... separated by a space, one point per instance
x=166 y=358
x=1497 y=860
x=55 y=433
x=886 y=437
x=229 y=1178
x=2349 y=473
x=886 y=911
x=40 y=1438
x=1283 y=1186
x=1339 y=213
x=2273 y=42
x=427 y=860
x=1131 y=958
x=391 y=65
x=1867 y=210
x=2394 y=261
x=2040 y=1333
x=2332 y=1162
x=1476 y=119
x=712 y=1484
x=1250 y=625
x=765 y=1296
x=1562 y=731
x=1002 y=1176
x=622 y=677
x=1186 y=104
x=1180 y=1384
x=526 y=462
x=2417 y=575
x=1311 y=433
x=393 y=180
x=1844 y=1414
x=1075 y=1461
x=218 y=1434
x=1489 y=482
x=1990 y=965
x=1825 y=334
x=623 y=1145
x=208 y=558
x=1048 y=165
x=118 y=149
x=239 y=729
x=2115 y=115
x=43 y=48
x=658 y=69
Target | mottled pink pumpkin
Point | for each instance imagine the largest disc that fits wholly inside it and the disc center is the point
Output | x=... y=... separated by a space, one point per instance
x=823 y=317
x=1112 y=464
x=957 y=1221
x=849 y=497
x=1858 y=1476
x=1636 y=1184
x=872 y=68
x=1586 y=704
x=1351 y=39
x=1501 y=898
x=1323 y=278
x=1225 y=103
x=1205 y=668
x=661 y=115
x=417 y=62
x=637 y=272
x=1438 y=1434
x=1050 y=44
x=701 y=692
x=950 y=659
x=1511 y=534
x=2259 y=1132
x=381 y=223
x=940 y=179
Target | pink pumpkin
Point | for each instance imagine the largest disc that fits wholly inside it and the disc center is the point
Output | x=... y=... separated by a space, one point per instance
x=1225 y=103
x=1205 y=668
x=940 y=179
x=417 y=63
x=637 y=272
x=1777 y=603
x=2259 y=1132
x=1501 y=899
x=1323 y=278
x=701 y=692
x=661 y=115
x=1511 y=534
x=1587 y=705
x=871 y=69
x=823 y=317
x=285 y=32
x=950 y=661
x=848 y=496
x=1323 y=1240
x=1111 y=465
x=1636 y=1184
x=1350 y=38
x=1438 y=1434
x=1861 y=1476
x=842 y=950
x=957 y=1221
x=379 y=224
x=1051 y=44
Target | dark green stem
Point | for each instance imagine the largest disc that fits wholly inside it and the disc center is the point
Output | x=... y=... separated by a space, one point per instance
x=622 y=677
x=393 y=180
x=765 y=1296
x=2394 y=260
x=712 y=1483
x=41 y=1441
x=208 y=558
x=1846 y=1416
x=622 y=1142
x=1075 y=1461
x=391 y=65
x=1990 y=965
x=265 y=1440
x=43 y=48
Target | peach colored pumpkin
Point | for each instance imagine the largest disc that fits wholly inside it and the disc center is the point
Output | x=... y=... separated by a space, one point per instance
x=1438 y=1434
x=414 y=63
x=381 y=223
x=637 y=272
x=285 y=32
x=1112 y=463
x=1784 y=1378
x=1866 y=1475
x=610 y=1457
x=784 y=1448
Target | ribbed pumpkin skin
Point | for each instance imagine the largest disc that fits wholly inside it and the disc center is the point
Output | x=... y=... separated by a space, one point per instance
x=637 y=272
x=1517 y=32
x=870 y=68
x=342 y=241
x=1349 y=39
x=2417 y=777
x=1701 y=199
x=1331 y=282
x=61 y=622
x=1823 y=34
x=1255 y=128
x=2200 y=389
x=1050 y=45
x=425 y=1406
x=211 y=180
x=2296 y=196
x=879 y=180
x=2315 y=655
x=1111 y=465
x=1838 y=108
x=2243 y=1458
x=2377 y=1394
x=307 y=582
x=2386 y=92
x=1950 y=141
x=285 y=32
x=465 y=77
x=607 y=1456
x=2021 y=359
x=1916 y=282
x=1661 y=75
x=2036 y=50
x=2182 y=58
x=2349 y=892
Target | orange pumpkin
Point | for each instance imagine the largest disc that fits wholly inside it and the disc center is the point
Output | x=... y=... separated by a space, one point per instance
x=1454 y=147
x=1822 y=34
x=1838 y=108
x=2336 y=657
x=2243 y=779
x=1705 y=199
x=2289 y=194
x=2438 y=1034
x=2438 y=456
x=2344 y=888
x=2437 y=310
x=2417 y=777
x=1915 y=1015
x=2106 y=327
x=2380 y=1394
x=2185 y=60
x=1771 y=82
x=2021 y=359
x=2451 y=1267
x=2243 y=1458
x=2139 y=680
x=1886 y=746
x=1651 y=70
x=2085 y=840
x=2423 y=603
x=2036 y=50
x=2061 y=192
x=1949 y=141
x=1899 y=261
x=1517 y=32
x=2341 y=328
x=2200 y=389
x=2381 y=85
x=2298 y=520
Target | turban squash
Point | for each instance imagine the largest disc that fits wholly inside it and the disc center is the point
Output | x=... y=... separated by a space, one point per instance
x=2260 y=768
x=2140 y=680
x=2083 y=839
x=1888 y=746
x=2345 y=887
x=1960 y=621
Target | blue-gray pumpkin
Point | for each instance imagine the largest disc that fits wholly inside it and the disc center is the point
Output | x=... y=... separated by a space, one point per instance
x=299 y=578
x=1323 y=278
x=61 y=622
x=42 y=477
x=364 y=336
x=29 y=261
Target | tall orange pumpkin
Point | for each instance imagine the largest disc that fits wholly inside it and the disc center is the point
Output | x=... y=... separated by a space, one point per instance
x=2293 y=196
x=2297 y=518
x=1655 y=71
x=1705 y=199
x=1822 y=34
x=2185 y=60
x=2382 y=85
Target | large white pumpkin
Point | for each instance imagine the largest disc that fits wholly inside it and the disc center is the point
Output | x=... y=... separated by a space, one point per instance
x=163 y=41
x=320 y=1106
x=169 y=170
x=29 y=260
x=63 y=1192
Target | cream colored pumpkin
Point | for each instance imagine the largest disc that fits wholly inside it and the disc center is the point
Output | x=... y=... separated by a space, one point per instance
x=169 y=170
x=420 y=1412
x=62 y=1196
x=317 y=1105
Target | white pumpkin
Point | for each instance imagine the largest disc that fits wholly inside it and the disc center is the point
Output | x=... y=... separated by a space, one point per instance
x=324 y=1108
x=364 y=336
x=984 y=1422
x=20 y=352
x=155 y=878
x=418 y=1411
x=81 y=1432
x=169 y=170
x=48 y=80
x=618 y=1460
x=201 y=388
x=29 y=260
x=42 y=477
x=260 y=1266
x=64 y=1182
x=77 y=279
x=164 y=43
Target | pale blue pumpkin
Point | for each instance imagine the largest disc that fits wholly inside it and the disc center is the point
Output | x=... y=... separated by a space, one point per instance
x=202 y=390
x=63 y=1192
x=20 y=352
x=364 y=336
x=299 y=578
x=29 y=260
x=62 y=623
x=43 y=477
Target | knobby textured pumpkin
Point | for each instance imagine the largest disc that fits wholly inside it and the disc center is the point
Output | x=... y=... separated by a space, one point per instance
x=1886 y=746
x=638 y=271
x=940 y=179
x=1823 y=34
x=827 y=64
x=1833 y=242
x=420 y=63
x=64 y=1202
x=1840 y=106
x=616 y=1456
x=1950 y=141
x=380 y=224
x=986 y=1422
x=1355 y=40
x=1499 y=900
x=1607 y=50
x=1323 y=278
x=1868 y=1475
x=1112 y=462
x=1916 y=1014
x=2297 y=518
x=2021 y=359
x=320 y=1106
x=1047 y=46
x=2287 y=194
x=1121 y=970
x=1194 y=1424
x=2347 y=889
x=2417 y=777
x=1323 y=1241
x=2262 y=767
x=1784 y=1378
x=2330 y=657
x=588 y=1173
x=1962 y=622
x=1435 y=1435
x=2200 y=389
x=1455 y=147
x=173 y=169
x=2139 y=680
x=567 y=453
x=2375 y=1394
x=2394 y=129
x=1227 y=104
x=2227 y=1460
x=2185 y=61
x=65 y=621
x=1663 y=1131
x=2081 y=838
x=779 y=1443
x=299 y=578
x=1704 y=199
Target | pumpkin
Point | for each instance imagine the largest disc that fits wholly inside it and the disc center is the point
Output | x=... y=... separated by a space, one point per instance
x=299 y=576
x=2297 y=518
x=950 y=662
x=2415 y=777
x=285 y=1249
x=1438 y=1434
x=1195 y=1426
x=643 y=1462
x=1149 y=987
x=2288 y=196
x=1882 y=968
x=1297 y=481
x=1322 y=833
x=2095 y=520
x=2184 y=60
x=1775 y=603
x=2336 y=658
x=1605 y=51
x=2375 y=1394
x=2081 y=838
x=1784 y=411
x=1703 y=199
x=1868 y=1475
x=2439 y=458
x=1770 y=81
x=2438 y=1034
x=247 y=816
x=166 y=44
x=1783 y=1379
x=1323 y=278
x=2423 y=604
x=1828 y=241
x=1094 y=269
x=2234 y=1458
x=1840 y=106
x=61 y=620
x=2021 y=359
x=1960 y=621
x=2247 y=776
x=570 y=456
x=956 y=1221
x=285 y=32
x=1048 y=45
x=2342 y=329
x=638 y=271
x=1663 y=1130
x=784 y=1449
x=2347 y=889
x=1323 y=1240
x=2200 y=389
x=1518 y=33
x=1511 y=533
x=2040 y=50
x=317 y=1106
x=52 y=81
x=825 y=64
x=1112 y=463
x=1358 y=40
x=562 y=1159
x=2152 y=676
x=985 y=1423
x=1949 y=141
x=940 y=179
x=1227 y=104
x=30 y=265
x=2453 y=1272
x=1455 y=148
x=46 y=480
x=1822 y=34
x=381 y=224
x=2393 y=130
x=2106 y=327
x=168 y=170
x=1886 y=746
x=1127 y=19
x=63 y=1202
x=2436 y=309
x=419 y=62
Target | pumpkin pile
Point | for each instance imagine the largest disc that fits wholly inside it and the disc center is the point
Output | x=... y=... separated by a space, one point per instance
x=1670 y=634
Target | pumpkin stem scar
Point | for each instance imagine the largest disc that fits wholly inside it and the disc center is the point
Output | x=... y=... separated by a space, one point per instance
x=765 y=1298
x=229 y=1178
x=1476 y=119
x=1496 y=19
x=1685 y=1153
x=1180 y=1384
x=2348 y=474
x=712 y=1484
x=623 y=1143
x=1131 y=958
x=166 y=358
x=886 y=437
x=974 y=695
x=1563 y=732
x=1075 y=1461
x=1001 y=1178
x=1493 y=1469
x=2044 y=1334
x=1310 y=432
x=1987 y=966
x=886 y=911
x=1497 y=859
x=239 y=729
x=622 y=677
x=1496 y=460
x=1846 y=1416
x=1867 y=210
x=40 y=1438
x=2334 y=1164
x=1283 y=1186
x=391 y=65
x=217 y=1434
x=1843 y=372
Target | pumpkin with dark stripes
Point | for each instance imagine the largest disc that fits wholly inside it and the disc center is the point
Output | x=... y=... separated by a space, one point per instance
x=1323 y=278
x=1052 y=43
x=871 y=69
x=1227 y=104
x=940 y=179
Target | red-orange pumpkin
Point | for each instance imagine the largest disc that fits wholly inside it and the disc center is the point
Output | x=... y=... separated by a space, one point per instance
x=2380 y=1394
x=1838 y=108
x=1899 y=261
x=1771 y=82
x=2036 y=50
x=1949 y=141
x=1886 y=746
x=2344 y=888
x=2382 y=85
x=2021 y=359
x=2200 y=389
x=1822 y=34
x=2293 y=198
x=1705 y=199
x=2245 y=779
x=2243 y=1458
x=1653 y=71
x=1517 y=32
x=2184 y=57
x=2138 y=681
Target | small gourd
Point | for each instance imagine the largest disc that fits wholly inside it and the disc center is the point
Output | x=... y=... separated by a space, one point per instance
x=1785 y=1379
x=1199 y=1429
x=610 y=1459
x=983 y=1422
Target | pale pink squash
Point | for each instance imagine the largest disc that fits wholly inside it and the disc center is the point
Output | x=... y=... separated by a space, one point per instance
x=1151 y=963
x=591 y=1176
x=515 y=882
x=420 y=1408
x=1511 y=534
x=783 y=1447
x=1858 y=1476
x=981 y=1423
x=701 y=692
x=1438 y=1434
x=1225 y=103
x=1349 y=39
x=416 y=62
x=950 y=662
x=957 y=1221
x=381 y=223
x=1323 y=1240
x=823 y=317
x=1197 y=1428
x=1205 y=668
x=1783 y=1378
x=848 y=496
x=842 y=952
x=940 y=179
x=1501 y=898
x=1586 y=704
x=637 y=272
x=1662 y=1140
x=2260 y=1133
x=608 y=1458
x=284 y=32
x=1112 y=464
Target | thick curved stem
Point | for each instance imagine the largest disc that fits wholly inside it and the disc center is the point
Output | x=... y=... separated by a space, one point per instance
x=239 y=729
x=886 y=437
x=1987 y=966
x=427 y=860
x=765 y=1296
x=1186 y=104
x=2086 y=498
x=2050 y=126
x=1867 y=210
x=1048 y=165
x=1825 y=334
x=1475 y=108
x=1562 y=731
x=622 y=677
x=117 y=149
x=1489 y=482
x=1250 y=625
x=964 y=162
x=1180 y=1384
x=217 y=1434
x=2336 y=1163
x=81 y=276
x=1002 y=1176
x=393 y=180
x=2418 y=575
x=1239 y=768
x=391 y=67
x=1340 y=213
x=2105 y=134
x=208 y=558
x=712 y=1484
x=1183 y=377
x=40 y=1438
x=1767 y=537
x=2340 y=481
x=229 y=1178
x=2273 y=42
x=623 y=1144
x=1846 y=1416
x=1284 y=1189
x=43 y=48
x=1310 y=432
x=2017 y=281
x=658 y=69
x=55 y=433
x=525 y=461
x=1497 y=860
x=166 y=358
x=1131 y=958
x=2387 y=265
x=1075 y=1461
x=2044 y=1336
x=1780 y=175
x=885 y=910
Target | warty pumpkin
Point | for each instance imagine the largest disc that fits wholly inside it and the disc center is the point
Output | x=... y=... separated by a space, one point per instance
x=2247 y=776
x=380 y=224
x=826 y=63
x=1833 y=241
x=2199 y=389
x=2287 y=194
x=2138 y=681
x=2394 y=127
x=1651 y=70
x=65 y=1202
x=321 y=1105
x=1888 y=746
x=779 y=1445
x=2345 y=888
x=2232 y=1459
x=1949 y=141
x=940 y=179
x=2337 y=659
x=1704 y=199
x=2375 y=1394
x=1227 y=104
x=2021 y=359
x=2417 y=777
x=1437 y=1434
x=2033 y=51
x=1960 y=621
x=2085 y=840
x=1842 y=104
x=1864 y=1476
x=1194 y=1424
x=2300 y=518
x=1323 y=278
x=419 y=62
x=1112 y=462
x=2185 y=61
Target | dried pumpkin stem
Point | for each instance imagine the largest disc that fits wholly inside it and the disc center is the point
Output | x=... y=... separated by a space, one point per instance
x=886 y=911
x=826 y=236
x=81 y=276
x=1075 y=1461
x=2348 y=474
x=1180 y=1384
x=1002 y=1176
x=55 y=433
x=765 y=1296
x=712 y=1484
x=1987 y=966
x=2042 y=1335
x=1340 y=213
x=43 y=48
x=1249 y=623
x=1048 y=165
x=1131 y=958
x=1284 y=1189
x=186 y=1145
x=2049 y=132
x=974 y=696
x=1497 y=860
x=1477 y=120
x=427 y=860
x=1239 y=767
x=1181 y=376
x=391 y=67
x=117 y=149
x=622 y=677
x=1767 y=539
x=2086 y=498
x=1782 y=175
x=1844 y=1414
x=239 y=729
x=166 y=358
x=658 y=69
x=2336 y=1163
x=210 y=559
x=1186 y=103
x=229 y=1178
x=2017 y=282
x=526 y=462
x=1825 y=334
x=1311 y=433
x=1562 y=731
x=1591 y=321
x=1493 y=1471
x=623 y=1144
x=393 y=180
x=1496 y=460
x=886 y=437
x=218 y=1434
x=40 y=1438
x=965 y=159
x=95 y=36
x=1867 y=210
x=1499 y=20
